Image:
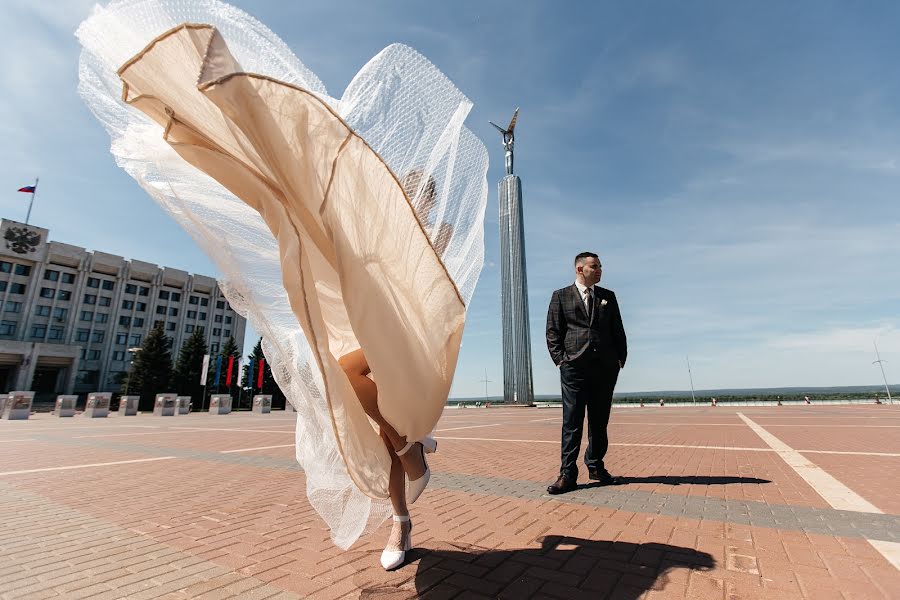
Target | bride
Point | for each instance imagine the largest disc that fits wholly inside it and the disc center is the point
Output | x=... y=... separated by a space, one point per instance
x=358 y=280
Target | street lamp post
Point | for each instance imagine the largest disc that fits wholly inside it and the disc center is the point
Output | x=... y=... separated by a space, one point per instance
x=131 y=351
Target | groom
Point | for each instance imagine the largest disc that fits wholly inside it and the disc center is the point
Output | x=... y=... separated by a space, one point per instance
x=586 y=340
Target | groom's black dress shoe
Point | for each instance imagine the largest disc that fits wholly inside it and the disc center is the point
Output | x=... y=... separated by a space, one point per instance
x=603 y=477
x=563 y=484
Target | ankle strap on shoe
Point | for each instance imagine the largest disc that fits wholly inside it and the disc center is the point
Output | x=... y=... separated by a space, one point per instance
x=401 y=518
x=405 y=448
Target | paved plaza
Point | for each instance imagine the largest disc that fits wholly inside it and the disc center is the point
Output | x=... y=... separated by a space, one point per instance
x=721 y=503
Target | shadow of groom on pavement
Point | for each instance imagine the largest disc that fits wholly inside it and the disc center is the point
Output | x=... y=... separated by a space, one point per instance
x=689 y=480
x=563 y=567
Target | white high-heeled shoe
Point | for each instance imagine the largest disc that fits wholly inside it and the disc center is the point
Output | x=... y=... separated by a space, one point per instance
x=415 y=487
x=391 y=559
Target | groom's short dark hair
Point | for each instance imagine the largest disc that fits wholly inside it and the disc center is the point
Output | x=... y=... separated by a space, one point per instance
x=580 y=258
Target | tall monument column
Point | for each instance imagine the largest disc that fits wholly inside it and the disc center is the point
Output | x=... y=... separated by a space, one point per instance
x=517 y=381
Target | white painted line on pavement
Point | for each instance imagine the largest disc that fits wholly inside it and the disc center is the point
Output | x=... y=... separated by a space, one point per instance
x=20 y=440
x=444 y=437
x=688 y=446
x=849 y=452
x=470 y=427
x=833 y=491
x=106 y=435
x=695 y=447
x=106 y=464
x=259 y=448
x=890 y=550
x=195 y=429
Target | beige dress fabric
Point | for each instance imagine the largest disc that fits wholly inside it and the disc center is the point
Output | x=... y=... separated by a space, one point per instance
x=357 y=264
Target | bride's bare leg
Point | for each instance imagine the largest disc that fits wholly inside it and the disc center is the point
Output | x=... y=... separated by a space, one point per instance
x=356 y=367
x=397 y=483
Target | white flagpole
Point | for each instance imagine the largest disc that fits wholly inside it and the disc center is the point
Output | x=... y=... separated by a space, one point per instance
x=881 y=364
x=694 y=400
x=30 y=204
x=203 y=375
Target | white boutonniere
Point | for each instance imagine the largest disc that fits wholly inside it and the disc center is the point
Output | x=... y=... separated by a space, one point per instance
x=603 y=302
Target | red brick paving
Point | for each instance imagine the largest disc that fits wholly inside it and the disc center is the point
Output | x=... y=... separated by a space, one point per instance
x=220 y=530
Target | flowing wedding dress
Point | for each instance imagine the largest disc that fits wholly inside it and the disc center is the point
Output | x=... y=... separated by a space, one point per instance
x=297 y=198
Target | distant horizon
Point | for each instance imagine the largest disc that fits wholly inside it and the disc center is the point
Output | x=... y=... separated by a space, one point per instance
x=763 y=391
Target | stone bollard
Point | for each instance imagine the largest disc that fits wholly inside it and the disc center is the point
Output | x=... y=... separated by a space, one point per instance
x=164 y=405
x=65 y=406
x=97 y=405
x=184 y=404
x=262 y=404
x=17 y=406
x=220 y=404
x=128 y=406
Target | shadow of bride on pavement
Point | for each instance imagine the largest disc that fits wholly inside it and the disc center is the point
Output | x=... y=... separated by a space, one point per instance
x=563 y=567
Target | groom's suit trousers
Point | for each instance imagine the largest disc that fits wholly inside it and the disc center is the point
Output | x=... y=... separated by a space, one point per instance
x=587 y=385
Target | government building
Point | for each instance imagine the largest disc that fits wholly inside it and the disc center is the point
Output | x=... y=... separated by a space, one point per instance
x=69 y=316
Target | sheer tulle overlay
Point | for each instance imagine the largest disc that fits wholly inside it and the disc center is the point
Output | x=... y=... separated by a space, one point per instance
x=337 y=224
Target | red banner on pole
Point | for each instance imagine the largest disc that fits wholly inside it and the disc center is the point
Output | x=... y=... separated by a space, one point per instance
x=228 y=373
x=259 y=378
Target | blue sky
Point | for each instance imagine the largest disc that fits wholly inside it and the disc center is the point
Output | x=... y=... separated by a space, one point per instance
x=737 y=167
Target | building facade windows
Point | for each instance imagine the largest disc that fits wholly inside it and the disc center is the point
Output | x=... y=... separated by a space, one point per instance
x=42 y=310
x=64 y=295
x=51 y=275
x=12 y=307
x=90 y=299
x=39 y=331
x=87 y=315
x=23 y=270
x=8 y=327
x=47 y=292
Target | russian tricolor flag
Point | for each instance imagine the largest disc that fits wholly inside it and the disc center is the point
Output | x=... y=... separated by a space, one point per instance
x=28 y=189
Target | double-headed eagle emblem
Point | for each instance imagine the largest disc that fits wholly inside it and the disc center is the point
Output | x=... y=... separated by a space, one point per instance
x=21 y=240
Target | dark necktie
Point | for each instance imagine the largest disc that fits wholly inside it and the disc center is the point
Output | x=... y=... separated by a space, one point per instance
x=589 y=295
